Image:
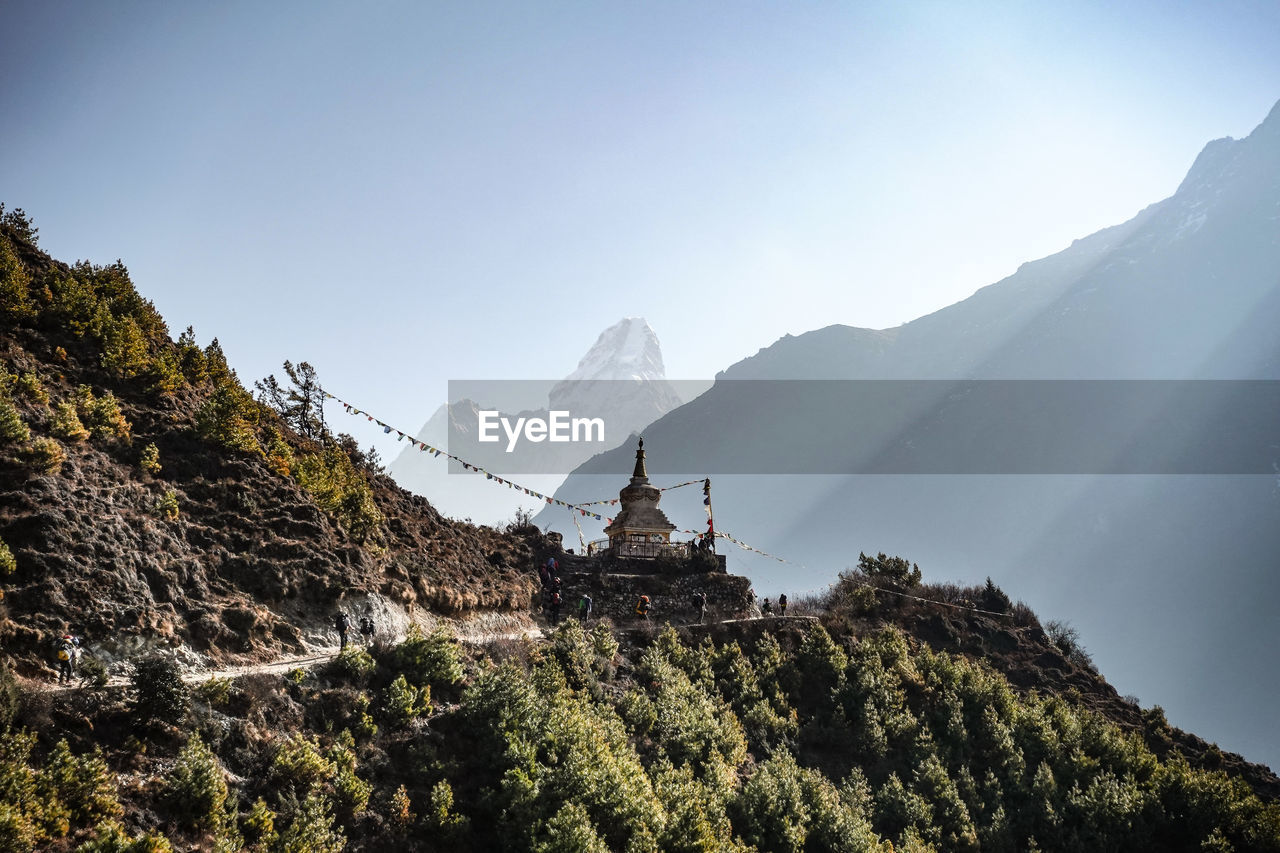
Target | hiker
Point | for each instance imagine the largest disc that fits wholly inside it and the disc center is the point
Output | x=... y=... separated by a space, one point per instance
x=555 y=608
x=700 y=604
x=67 y=650
x=342 y=622
x=366 y=629
x=584 y=608
x=766 y=609
x=642 y=608
x=782 y=604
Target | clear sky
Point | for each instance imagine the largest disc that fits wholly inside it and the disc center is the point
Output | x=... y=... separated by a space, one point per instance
x=405 y=193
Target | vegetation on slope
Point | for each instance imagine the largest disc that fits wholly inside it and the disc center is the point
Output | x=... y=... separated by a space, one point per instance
x=147 y=498
x=797 y=739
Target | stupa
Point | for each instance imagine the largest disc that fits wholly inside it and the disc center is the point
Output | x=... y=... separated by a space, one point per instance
x=640 y=529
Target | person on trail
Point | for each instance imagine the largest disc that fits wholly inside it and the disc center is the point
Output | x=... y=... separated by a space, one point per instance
x=584 y=608
x=782 y=604
x=766 y=609
x=642 y=608
x=366 y=629
x=342 y=622
x=555 y=608
x=66 y=650
x=700 y=605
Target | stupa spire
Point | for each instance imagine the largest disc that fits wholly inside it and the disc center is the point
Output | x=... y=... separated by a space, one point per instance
x=640 y=473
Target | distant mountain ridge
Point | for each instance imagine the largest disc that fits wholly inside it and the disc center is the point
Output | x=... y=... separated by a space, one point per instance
x=1112 y=305
x=1189 y=288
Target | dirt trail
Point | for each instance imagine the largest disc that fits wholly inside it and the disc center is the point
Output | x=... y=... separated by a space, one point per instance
x=479 y=631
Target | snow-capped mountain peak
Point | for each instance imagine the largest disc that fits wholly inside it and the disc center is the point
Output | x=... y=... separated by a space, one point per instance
x=628 y=349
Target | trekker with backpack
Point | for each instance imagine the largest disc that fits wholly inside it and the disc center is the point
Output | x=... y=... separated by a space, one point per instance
x=782 y=604
x=766 y=609
x=66 y=650
x=584 y=608
x=700 y=605
x=642 y=608
x=342 y=622
x=555 y=607
x=366 y=629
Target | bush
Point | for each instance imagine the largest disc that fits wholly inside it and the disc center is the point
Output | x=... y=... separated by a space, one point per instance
x=149 y=459
x=15 y=286
x=893 y=572
x=19 y=223
x=110 y=837
x=191 y=359
x=83 y=785
x=8 y=563
x=403 y=702
x=230 y=417
x=350 y=792
x=166 y=506
x=259 y=826
x=298 y=763
x=400 y=810
x=102 y=415
x=12 y=428
x=1067 y=639
x=165 y=372
x=29 y=386
x=160 y=696
x=9 y=697
x=93 y=672
x=66 y=423
x=337 y=487
x=571 y=831
x=196 y=790
x=430 y=659
x=353 y=664
x=312 y=830
x=216 y=692
x=279 y=453
x=124 y=346
x=993 y=598
x=45 y=455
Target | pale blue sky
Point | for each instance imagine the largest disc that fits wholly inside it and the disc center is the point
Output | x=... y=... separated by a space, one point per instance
x=404 y=193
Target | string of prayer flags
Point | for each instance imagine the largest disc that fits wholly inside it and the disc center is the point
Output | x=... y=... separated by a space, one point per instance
x=387 y=429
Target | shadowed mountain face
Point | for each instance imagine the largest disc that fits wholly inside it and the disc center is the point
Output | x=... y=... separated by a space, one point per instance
x=1169 y=577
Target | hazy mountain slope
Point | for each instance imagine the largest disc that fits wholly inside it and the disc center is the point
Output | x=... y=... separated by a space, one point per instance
x=1167 y=577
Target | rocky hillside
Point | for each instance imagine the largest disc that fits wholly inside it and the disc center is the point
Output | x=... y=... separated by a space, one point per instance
x=146 y=498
